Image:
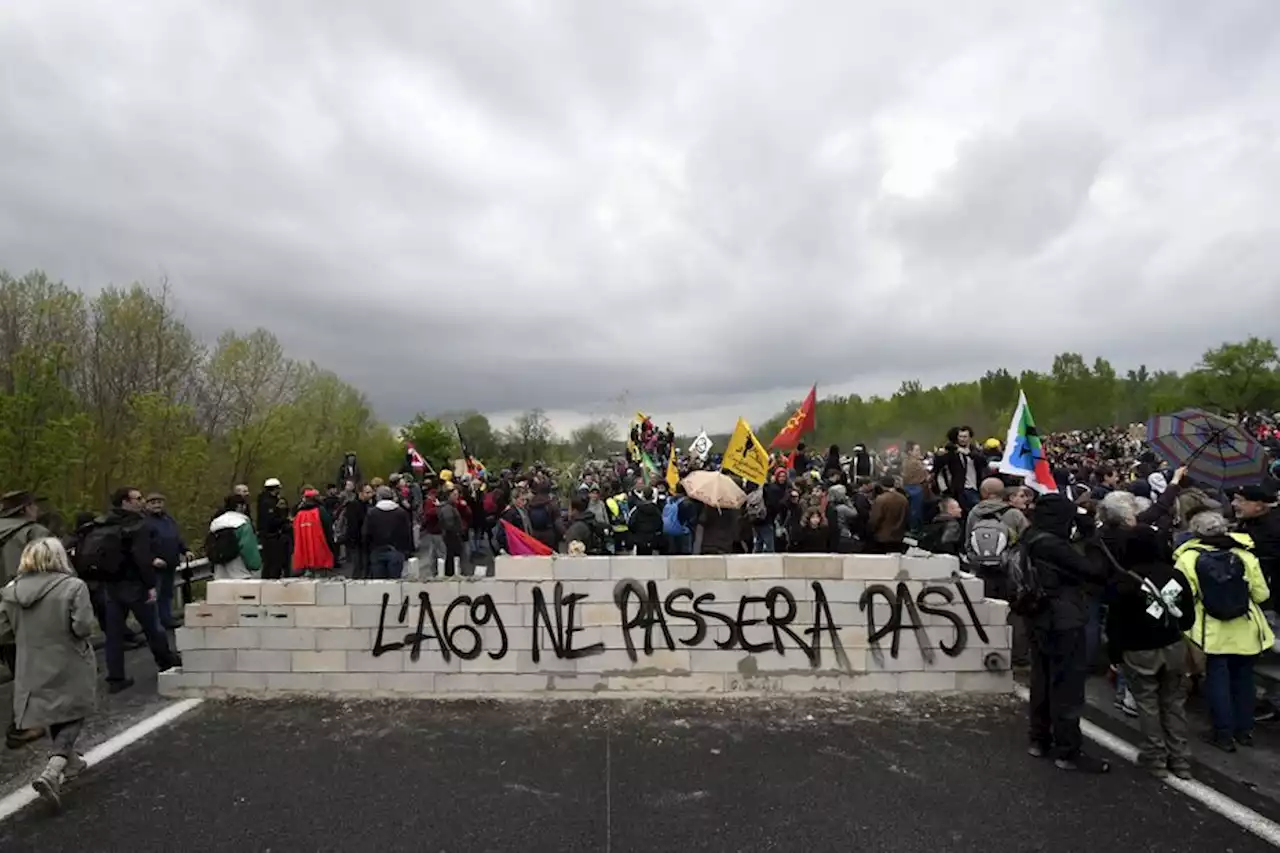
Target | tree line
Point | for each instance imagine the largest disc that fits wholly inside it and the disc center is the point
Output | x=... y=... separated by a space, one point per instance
x=113 y=389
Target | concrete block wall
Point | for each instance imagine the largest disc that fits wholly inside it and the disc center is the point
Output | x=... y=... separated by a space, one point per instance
x=561 y=626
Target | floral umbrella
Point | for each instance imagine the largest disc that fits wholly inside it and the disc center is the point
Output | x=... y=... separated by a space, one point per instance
x=1214 y=450
x=714 y=489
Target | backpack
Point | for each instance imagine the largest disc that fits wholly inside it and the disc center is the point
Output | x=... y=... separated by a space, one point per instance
x=340 y=527
x=222 y=546
x=1026 y=596
x=100 y=551
x=1223 y=588
x=490 y=503
x=540 y=517
x=756 y=510
x=671 y=523
x=988 y=543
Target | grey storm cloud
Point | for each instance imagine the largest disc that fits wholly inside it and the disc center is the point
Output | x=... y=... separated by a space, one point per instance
x=707 y=206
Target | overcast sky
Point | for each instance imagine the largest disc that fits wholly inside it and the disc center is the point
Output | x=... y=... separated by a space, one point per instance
x=692 y=208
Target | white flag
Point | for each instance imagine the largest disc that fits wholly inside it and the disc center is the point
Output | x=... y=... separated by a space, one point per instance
x=701 y=445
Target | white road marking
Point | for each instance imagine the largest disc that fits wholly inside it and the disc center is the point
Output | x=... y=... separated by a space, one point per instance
x=24 y=796
x=1211 y=798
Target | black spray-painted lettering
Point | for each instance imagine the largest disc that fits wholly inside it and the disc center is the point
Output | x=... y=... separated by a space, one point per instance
x=480 y=611
x=562 y=635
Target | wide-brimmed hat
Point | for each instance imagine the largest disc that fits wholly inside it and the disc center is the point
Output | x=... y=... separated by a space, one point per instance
x=13 y=503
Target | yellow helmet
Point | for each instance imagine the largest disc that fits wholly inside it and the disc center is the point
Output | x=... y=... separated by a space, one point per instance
x=446 y=474
x=992 y=444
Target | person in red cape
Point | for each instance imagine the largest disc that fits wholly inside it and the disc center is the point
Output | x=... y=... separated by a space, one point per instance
x=312 y=537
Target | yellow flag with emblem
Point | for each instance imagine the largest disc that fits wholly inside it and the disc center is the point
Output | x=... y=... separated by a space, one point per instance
x=745 y=456
x=673 y=476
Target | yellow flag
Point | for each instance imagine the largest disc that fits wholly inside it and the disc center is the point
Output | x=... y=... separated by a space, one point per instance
x=745 y=456
x=673 y=476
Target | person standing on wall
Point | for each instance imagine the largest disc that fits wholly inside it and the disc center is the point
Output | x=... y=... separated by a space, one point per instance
x=46 y=612
x=274 y=530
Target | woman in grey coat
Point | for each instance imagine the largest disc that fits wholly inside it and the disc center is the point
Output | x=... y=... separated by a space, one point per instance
x=46 y=612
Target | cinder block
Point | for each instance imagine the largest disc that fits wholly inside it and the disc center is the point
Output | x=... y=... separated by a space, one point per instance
x=235 y=592
x=179 y=683
x=547 y=662
x=408 y=683
x=599 y=614
x=499 y=683
x=441 y=591
x=331 y=593
x=343 y=639
x=697 y=682
x=811 y=684
x=371 y=592
x=713 y=661
x=204 y=615
x=250 y=617
x=262 y=617
x=304 y=682
x=984 y=682
x=581 y=683
x=247 y=681
x=707 y=568
x=652 y=568
x=846 y=591
x=813 y=566
x=290 y=592
x=870 y=682
x=871 y=567
x=753 y=566
x=974 y=587
x=636 y=683
x=256 y=660
x=462 y=682
x=933 y=681
x=501 y=592
x=279 y=617
x=209 y=660
x=323 y=617
x=581 y=568
x=909 y=658
x=367 y=616
x=231 y=638
x=485 y=663
x=189 y=638
x=349 y=682
x=662 y=661
x=936 y=567
x=312 y=661
x=366 y=662
x=524 y=568
x=801 y=590
x=430 y=660
x=288 y=639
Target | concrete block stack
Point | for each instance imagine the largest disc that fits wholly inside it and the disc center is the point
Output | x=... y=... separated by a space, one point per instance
x=712 y=625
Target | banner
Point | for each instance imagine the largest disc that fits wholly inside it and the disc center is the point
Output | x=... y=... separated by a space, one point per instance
x=701 y=446
x=745 y=456
x=673 y=474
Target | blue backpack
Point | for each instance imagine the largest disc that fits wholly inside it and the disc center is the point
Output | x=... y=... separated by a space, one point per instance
x=671 y=524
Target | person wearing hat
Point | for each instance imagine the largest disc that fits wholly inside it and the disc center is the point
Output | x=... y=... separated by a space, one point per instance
x=274 y=530
x=166 y=545
x=1258 y=518
x=18 y=526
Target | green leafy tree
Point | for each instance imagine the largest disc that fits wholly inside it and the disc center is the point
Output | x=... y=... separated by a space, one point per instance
x=435 y=441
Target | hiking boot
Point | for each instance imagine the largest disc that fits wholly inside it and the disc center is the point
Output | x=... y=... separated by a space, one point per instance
x=75 y=766
x=1182 y=772
x=49 y=783
x=1226 y=743
x=1037 y=750
x=15 y=738
x=1125 y=702
x=1082 y=763
x=115 y=686
x=1160 y=773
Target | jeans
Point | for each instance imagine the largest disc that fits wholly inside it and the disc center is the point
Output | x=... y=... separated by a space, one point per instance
x=452 y=554
x=1158 y=681
x=64 y=737
x=764 y=539
x=915 y=503
x=969 y=498
x=1228 y=685
x=1058 y=674
x=386 y=563
x=121 y=599
x=276 y=552
x=680 y=544
x=164 y=597
x=1093 y=635
x=432 y=553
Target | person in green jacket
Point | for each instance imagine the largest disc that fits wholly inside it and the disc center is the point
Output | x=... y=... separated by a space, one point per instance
x=249 y=562
x=1231 y=644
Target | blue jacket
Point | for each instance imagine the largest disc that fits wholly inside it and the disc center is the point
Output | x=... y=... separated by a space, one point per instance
x=166 y=540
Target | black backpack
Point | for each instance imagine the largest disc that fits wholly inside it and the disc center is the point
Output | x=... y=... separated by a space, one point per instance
x=222 y=546
x=1223 y=588
x=100 y=548
x=1026 y=597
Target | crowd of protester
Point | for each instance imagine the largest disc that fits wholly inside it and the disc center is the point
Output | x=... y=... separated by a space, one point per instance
x=1127 y=561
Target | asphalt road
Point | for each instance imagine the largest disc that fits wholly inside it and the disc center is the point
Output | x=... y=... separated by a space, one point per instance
x=755 y=775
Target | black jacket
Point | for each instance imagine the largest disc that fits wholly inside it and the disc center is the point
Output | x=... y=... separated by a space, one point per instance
x=1265 y=531
x=135 y=563
x=355 y=514
x=273 y=515
x=1065 y=573
x=387 y=524
x=955 y=464
x=584 y=528
x=1129 y=626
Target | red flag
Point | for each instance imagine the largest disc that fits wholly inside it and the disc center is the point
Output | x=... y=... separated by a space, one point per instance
x=521 y=544
x=791 y=461
x=804 y=420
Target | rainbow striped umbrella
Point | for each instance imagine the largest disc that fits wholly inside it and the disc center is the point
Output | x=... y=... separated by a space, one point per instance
x=1215 y=451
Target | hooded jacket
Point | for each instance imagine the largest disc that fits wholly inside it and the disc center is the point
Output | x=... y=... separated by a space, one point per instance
x=1011 y=517
x=584 y=527
x=15 y=533
x=49 y=617
x=250 y=559
x=136 y=561
x=1250 y=634
x=1065 y=573
x=387 y=525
